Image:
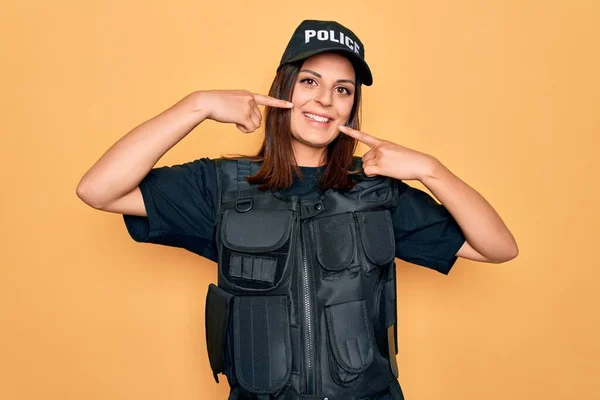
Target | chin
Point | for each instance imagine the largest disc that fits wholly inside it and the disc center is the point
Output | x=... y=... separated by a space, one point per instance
x=315 y=141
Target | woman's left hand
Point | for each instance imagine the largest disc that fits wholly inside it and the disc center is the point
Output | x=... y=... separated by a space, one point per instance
x=390 y=159
x=488 y=238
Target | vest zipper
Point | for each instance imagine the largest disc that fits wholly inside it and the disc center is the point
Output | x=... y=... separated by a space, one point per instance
x=309 y=353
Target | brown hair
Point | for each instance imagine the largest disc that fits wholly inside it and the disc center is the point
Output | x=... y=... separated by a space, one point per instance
x=276 y=171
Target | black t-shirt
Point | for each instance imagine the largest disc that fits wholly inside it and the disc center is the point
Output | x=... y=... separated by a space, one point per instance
x=181 y=203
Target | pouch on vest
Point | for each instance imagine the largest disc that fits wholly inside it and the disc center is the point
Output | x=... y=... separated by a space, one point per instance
x=255 y=247
x=262 y=344
x=218 y=304
x=377 y=237
x=386 y=332
x=335 y=238
x=390 y=315
x=350 y=340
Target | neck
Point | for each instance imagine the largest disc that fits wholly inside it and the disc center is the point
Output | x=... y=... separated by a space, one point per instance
x=307 y=156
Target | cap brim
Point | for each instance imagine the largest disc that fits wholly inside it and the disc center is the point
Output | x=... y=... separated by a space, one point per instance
x=360 y=66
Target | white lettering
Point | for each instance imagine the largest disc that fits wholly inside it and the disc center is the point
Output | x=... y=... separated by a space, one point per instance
x=309 y=34
x=332 y=36
x=349 y=43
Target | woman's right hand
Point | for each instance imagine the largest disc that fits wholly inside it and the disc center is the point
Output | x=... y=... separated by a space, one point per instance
x=239 y=107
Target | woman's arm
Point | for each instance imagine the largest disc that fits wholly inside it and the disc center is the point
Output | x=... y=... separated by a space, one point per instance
x=487 y=237
x=112 y=182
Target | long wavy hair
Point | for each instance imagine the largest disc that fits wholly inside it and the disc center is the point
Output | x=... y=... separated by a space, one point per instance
x=276 y=153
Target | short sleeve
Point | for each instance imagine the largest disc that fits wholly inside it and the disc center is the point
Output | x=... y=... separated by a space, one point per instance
x=425 y=231
x=181 y=202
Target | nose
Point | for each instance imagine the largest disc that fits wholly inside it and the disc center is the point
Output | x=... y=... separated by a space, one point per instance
x=323 y=96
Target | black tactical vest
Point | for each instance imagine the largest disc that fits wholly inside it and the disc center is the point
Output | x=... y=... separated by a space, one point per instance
x=305 y=306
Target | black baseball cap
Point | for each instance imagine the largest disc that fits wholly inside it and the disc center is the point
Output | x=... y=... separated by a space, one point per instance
x=313 y=37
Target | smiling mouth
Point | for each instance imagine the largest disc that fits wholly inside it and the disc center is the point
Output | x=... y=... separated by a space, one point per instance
x=317 y=118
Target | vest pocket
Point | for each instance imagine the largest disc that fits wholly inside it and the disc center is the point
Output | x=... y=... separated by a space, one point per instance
x=335 y=240
x=385 y=307
x=377 y=237
x=350 y=341
x=255 y=247
x=262 y=344
x=217 y=312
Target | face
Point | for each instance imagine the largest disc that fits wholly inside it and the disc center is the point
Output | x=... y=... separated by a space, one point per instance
x=323 y=98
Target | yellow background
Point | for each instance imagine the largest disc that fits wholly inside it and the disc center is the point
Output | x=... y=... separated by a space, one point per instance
x=504 y=93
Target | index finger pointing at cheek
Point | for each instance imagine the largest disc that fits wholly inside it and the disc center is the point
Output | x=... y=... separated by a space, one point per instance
x=263 y=100
x=360 y=136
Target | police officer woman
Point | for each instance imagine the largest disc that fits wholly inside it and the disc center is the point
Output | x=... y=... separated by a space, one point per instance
x=304 y=233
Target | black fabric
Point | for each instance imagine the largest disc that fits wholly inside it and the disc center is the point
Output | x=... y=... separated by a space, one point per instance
x=218 y=304
x=335 y=241
x=373 y=226
x=263 y=349
x=181 y=202
x=239 y=230
x=426 y=233
x=261 y=269
x=396 y=391
x=313 y=37
x=350 y=345
x=296 y=348
x=389 y=296
x=257 y=271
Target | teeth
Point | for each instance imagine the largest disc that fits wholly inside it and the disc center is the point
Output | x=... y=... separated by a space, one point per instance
x=317 y=117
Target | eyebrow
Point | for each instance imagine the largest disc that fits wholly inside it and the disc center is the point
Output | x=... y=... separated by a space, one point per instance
x=319 y=76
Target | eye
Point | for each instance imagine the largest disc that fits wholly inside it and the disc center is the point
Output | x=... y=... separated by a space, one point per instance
x=308 y=81
x=343 y=90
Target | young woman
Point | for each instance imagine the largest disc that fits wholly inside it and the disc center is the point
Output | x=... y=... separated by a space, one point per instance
x=304 y=233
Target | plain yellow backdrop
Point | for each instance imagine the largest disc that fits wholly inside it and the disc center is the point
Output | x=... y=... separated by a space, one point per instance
x=504 y=93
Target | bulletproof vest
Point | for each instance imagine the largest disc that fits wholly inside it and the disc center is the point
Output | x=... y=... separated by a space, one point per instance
x=305 y=306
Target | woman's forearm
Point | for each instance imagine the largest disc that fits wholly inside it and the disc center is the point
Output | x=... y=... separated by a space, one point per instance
x=483 y=228
x=129 y=160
